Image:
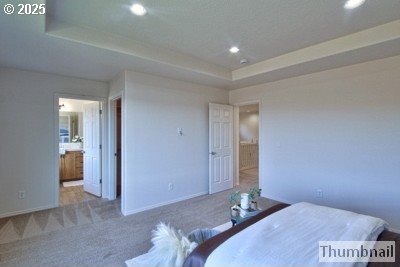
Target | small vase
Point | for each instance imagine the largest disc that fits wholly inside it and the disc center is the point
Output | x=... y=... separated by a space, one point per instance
x=253 y=205
x=235 y=212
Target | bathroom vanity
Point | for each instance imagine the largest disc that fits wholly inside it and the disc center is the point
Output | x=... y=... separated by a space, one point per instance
x=71 y=165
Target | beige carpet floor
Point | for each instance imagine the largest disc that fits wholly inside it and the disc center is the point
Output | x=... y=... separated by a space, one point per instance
x=109 y=239
x=66 y=216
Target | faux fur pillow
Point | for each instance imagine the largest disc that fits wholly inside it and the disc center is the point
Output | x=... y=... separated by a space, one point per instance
x=170 y=247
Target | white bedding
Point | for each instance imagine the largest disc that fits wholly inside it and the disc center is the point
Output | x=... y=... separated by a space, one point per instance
x=290 y=237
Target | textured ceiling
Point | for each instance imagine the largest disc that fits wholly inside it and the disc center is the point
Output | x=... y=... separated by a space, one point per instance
x=206 y=29
x=200 y=31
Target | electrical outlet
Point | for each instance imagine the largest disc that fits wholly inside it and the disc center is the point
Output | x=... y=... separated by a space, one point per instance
x=180 y=131
x=21 y=194
x=319 y=193
x=170 y=186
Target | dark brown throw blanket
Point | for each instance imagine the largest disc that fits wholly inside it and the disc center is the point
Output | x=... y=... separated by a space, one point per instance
x=199 y=256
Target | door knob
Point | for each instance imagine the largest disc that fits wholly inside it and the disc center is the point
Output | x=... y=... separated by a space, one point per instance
x=213 y=153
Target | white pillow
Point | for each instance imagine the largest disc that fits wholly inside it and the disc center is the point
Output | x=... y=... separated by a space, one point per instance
x=170 y=248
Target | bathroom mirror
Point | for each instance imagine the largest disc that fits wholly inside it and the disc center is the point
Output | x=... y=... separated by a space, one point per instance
x=70 y=125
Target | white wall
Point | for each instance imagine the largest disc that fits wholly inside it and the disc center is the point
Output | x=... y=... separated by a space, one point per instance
x=248 y=126
x=72 y=105
x=27 y=135
x=154 y=153
x=338 y=131
x=117 y=85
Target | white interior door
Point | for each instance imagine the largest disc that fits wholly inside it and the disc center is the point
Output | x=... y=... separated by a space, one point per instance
x=220 y=147
x=92 y=149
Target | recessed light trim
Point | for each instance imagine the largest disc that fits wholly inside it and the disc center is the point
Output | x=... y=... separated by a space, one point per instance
x=234 y=49
x=351 y=4
x=138 y=10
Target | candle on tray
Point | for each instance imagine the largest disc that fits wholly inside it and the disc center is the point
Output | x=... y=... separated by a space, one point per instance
x=244 y=202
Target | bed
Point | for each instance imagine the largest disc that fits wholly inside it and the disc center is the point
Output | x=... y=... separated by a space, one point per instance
x=200 y=257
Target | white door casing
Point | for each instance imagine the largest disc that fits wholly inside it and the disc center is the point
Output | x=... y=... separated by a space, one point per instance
x=92 y=148
x=220 y=147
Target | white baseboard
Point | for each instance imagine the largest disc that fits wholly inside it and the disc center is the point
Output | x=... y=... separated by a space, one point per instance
x=130 y=212
x=13 y=213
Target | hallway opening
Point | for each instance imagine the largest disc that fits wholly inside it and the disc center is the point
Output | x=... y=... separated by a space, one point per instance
x=248 y=146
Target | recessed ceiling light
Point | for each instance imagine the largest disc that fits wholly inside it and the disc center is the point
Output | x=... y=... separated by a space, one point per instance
x=234 y=49
x=350 y=4
x=138 y=10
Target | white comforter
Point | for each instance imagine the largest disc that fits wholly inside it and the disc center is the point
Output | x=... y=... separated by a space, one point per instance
x=290 y=237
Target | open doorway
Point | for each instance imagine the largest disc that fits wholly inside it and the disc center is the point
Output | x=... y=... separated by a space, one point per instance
x=248 y=137
x=79 y=150
x=118 y=146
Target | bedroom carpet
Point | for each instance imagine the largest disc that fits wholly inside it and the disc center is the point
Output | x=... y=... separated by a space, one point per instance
x=114 y=239
x=41 y=222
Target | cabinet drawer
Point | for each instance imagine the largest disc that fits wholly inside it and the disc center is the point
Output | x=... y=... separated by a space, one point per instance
x=79 y=172
x=78 y=159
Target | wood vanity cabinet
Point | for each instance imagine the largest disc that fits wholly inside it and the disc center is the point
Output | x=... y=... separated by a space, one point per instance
x=71 y=166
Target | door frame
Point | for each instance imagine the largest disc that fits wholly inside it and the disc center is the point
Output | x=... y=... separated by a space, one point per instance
x=112 y=172
x=103 y=138
x=236 y=138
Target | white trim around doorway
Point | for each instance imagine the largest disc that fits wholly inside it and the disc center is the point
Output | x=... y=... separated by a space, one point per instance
x=104 y=142
x=111 y=133
x=236 y=147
